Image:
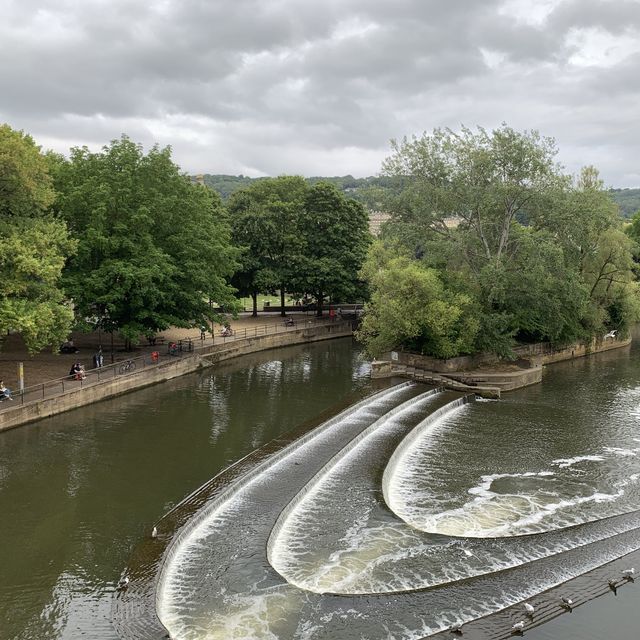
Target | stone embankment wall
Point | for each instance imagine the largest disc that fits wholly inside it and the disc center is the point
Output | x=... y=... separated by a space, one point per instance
x=206 y=357
x=487 y=374
x=531 y=355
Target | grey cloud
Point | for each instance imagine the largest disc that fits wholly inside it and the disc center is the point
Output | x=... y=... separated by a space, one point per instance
x=289 y=85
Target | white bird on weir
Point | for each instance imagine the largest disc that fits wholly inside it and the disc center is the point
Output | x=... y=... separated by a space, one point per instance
x=628 y=574
x=529 y=608
x=518 y=627
x=154 y=532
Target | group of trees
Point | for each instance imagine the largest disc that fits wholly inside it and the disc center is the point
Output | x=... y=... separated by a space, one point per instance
x=296 y=238
x=497 y=246
x=122 y=241
x=489 y=243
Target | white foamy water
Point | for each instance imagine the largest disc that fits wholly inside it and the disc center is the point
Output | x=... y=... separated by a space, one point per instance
x=576 y=491
x=306 y=513
x=568 y=462
x=183 y=564
x=336 y=537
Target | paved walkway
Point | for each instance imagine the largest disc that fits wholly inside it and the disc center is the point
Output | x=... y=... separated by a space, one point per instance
x=47 y=366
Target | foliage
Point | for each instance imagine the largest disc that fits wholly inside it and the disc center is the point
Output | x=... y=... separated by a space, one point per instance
x=225 y=186
x=296 y=238
x=541 y=256
x=25 y=184
x=33 y=246
x=410 y=305
x=264 y=219
x=153 y=247
x=335 y=232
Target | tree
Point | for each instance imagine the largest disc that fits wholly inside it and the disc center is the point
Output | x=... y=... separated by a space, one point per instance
x=477 y=183
x=153 y=247
x=541 y=255
x=265 y=221
x=336 y=237
x=411 y=306
x=33 y=246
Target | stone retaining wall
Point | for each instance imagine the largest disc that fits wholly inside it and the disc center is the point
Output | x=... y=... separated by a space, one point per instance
x=21 y=414
x=536 y=354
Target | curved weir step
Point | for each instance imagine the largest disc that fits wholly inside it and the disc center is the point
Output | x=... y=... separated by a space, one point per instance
x=312 y=542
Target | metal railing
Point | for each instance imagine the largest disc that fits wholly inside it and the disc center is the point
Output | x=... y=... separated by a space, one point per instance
x=162 y=353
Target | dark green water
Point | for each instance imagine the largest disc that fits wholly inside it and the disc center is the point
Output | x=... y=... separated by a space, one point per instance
x=78 y=492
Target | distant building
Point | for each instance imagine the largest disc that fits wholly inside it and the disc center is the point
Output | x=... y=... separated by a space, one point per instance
x=376 y=218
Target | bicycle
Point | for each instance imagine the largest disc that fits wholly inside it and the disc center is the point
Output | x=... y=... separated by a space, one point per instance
x=128 y=367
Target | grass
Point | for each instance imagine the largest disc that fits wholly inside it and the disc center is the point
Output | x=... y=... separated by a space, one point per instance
x=274 y=301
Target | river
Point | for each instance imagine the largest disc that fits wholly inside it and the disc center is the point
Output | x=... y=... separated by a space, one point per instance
x=487 y=498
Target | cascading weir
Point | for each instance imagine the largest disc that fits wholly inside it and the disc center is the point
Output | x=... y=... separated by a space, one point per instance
x=305 y=516
x=317 y=541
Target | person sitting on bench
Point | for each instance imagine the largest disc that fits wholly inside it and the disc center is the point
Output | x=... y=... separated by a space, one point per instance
x=5 y=394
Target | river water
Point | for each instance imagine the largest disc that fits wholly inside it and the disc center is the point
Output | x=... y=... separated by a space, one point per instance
x=406 y=513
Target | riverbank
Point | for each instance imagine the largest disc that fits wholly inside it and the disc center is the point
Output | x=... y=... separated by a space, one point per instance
x=201 y=354
x=486 y=374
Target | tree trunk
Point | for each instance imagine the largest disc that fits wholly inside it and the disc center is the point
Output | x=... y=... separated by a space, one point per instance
x=319 y=302
x=254 y=298
x=282 y=311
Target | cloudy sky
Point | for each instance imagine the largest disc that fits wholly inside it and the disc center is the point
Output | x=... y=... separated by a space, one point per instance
x=267 y=87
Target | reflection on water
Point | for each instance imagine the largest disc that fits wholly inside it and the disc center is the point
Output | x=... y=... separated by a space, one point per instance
x=78 y=491
x=487 y=504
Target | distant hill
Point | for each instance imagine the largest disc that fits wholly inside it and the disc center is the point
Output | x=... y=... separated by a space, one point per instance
x=368 y=190
x=356 y=187
x=628 y=200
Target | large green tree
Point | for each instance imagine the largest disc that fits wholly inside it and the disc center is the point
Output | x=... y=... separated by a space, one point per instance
x=410 y=305
x=541 y=255
x=153 y=249
x=33 y=246
x=265 y=220
x=336 y=236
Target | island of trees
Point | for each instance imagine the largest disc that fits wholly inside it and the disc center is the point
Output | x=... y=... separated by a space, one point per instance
x=489 y=243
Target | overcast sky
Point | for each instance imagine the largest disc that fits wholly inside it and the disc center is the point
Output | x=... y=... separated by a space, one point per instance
x=270 y=87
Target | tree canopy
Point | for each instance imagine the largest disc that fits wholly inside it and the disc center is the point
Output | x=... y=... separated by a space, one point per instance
x=153 y=247
x=265 y=222
x=307 y=240
x=537 y=255
x=335 y=231
x=33 y=246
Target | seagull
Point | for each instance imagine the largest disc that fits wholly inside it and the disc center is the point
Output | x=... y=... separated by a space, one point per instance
x=518 y=627
x=628 y=574
x=529 y=608
x=456 y=628
x=154 y=532
x=613 y=587
x=611 y=334
x=567 y=603
x=123 y=584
